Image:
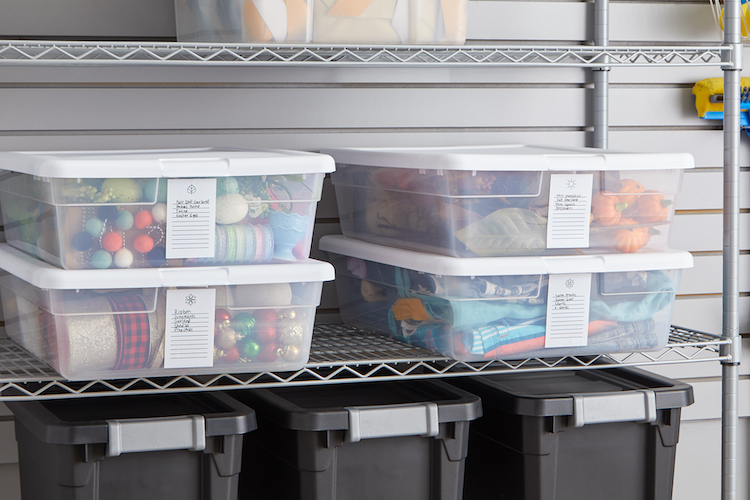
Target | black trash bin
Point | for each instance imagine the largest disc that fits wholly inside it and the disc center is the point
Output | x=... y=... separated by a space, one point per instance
x=158 y=447
x=574 y=435
x=371 y=441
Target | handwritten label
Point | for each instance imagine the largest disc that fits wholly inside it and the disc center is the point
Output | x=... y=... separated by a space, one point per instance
x=189 y=335
x=568 y=299
x=569 y=210
x=191 y=218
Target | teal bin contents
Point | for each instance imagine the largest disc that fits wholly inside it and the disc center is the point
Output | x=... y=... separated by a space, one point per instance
x=382 y=440
x=173 y=446
x=573 y=435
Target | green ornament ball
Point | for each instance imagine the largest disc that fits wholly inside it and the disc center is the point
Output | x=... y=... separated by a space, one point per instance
x=123 y=190
x=244 y=323
x=227 y=185
x=250 y=349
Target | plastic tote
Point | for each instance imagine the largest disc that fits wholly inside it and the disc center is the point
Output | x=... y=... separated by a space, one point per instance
x=495 y=201
x=366 y=441
x=570 y=435
x=187 y=207
x=96 y=324
x=237 y=21
x=508 y=307
x=186 y=446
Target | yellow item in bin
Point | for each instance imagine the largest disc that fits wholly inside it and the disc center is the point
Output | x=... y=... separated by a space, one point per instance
x=705 y=89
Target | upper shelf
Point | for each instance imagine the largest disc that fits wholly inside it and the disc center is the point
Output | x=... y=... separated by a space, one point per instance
x=98 y=53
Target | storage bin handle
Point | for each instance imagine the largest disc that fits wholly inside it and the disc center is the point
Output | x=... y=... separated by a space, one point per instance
x=156 y=434
x=367 y=422
x=600 y=408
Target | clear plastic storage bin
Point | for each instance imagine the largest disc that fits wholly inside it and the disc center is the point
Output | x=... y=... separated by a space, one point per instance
x=511 y=307
x=508 y=200
x=193 y=207
x=91 y=324
x=238 y=21
x=390 y=21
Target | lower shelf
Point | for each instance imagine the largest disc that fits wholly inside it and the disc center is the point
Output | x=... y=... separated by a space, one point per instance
x=339 y=354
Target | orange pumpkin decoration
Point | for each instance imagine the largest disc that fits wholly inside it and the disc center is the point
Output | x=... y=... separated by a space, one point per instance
x=630 y=240
x=652 y=207
x=606 y=209
x=629 y=192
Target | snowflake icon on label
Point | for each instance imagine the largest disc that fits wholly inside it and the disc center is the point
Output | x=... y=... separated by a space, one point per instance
x=191 y=189
x=190 y=299
x=571 y=184
x=570 y=283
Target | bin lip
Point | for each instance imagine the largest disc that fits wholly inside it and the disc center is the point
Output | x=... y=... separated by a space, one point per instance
x=48 y=428
x=165 y=163
x=44 y=275
x=509 y=157
x=459 y=405
x=668 y=393
x=505 y=266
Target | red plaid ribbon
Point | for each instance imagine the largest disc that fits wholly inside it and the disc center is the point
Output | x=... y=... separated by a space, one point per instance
x=132 y=330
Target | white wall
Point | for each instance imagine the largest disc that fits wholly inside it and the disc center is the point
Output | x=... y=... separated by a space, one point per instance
x=651 y=109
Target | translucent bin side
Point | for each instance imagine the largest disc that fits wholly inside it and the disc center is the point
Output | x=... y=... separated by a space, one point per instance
x=237 y=21
x=628 y=311
x=122 y=223
x=500 y=213
x=390 y=21
x=82 y=334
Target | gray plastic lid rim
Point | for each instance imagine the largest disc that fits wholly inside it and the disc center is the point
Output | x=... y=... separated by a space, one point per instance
x=505 y=266
x=509 y=157
x=165 y=163
x=44 y=275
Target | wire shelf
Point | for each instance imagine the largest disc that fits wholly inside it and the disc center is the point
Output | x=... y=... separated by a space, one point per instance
x=98 y=53
x=339 y=354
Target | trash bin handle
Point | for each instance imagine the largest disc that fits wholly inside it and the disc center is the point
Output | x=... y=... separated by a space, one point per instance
x=156 y=434
x=628 y=406
x=367 y=422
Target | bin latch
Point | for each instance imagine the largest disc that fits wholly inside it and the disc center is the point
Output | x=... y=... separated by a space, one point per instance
x=627 y=406
x=156 y=434
x=367 y=422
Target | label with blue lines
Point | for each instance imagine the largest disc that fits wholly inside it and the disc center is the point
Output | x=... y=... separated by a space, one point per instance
x=569 y=213
x=568 y=297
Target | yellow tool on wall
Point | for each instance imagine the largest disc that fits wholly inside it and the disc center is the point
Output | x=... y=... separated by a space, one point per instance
x=709 y=99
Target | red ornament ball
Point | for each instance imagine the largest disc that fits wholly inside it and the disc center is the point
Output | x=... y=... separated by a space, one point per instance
x=265 y=316
x=269 y=353
x=143 y=219
x=143 y=243
x=112 y=242
x=222 y=316
x=231 y=355
x=265 y=334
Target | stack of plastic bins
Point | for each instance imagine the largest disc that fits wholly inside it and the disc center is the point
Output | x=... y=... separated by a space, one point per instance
x=569 y=435
x=512 y=307
x=91 y=324
x=373 y=441
x=186 y=446
x=177 y=208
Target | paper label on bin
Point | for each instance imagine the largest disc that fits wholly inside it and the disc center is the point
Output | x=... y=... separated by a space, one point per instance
x=568 y=297
x=191 y=218
x=568 y=216
x=189 y=336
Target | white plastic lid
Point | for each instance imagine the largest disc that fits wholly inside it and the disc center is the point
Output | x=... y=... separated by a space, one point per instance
x=517 y=157
x=43 y=275
x=197 y=162
x=506 y=266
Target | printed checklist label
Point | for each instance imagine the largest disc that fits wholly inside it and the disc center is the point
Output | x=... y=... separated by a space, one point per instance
x=191 y=218
x=568 y=300
x=569 y=212
x=189 y=335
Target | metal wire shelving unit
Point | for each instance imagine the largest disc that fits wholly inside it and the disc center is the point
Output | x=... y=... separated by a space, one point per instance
x=339 y=354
